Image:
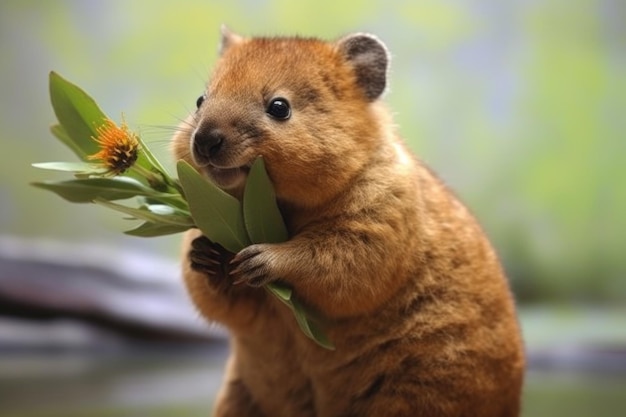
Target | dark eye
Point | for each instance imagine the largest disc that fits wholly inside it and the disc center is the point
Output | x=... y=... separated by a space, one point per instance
x=200 y=100
x=279 y=109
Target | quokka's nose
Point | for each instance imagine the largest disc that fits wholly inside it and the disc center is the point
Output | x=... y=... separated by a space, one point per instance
x=207 y=143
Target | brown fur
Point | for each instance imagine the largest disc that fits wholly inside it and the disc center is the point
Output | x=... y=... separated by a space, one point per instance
x=415 y=299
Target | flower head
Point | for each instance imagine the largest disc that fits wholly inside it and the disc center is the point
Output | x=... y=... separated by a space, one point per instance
x=119 y=147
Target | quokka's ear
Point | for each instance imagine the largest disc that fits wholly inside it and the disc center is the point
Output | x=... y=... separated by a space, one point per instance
x=229 y=39
x=370 y=59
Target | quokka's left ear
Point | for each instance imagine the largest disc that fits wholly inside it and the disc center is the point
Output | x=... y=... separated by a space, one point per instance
x=370 y=60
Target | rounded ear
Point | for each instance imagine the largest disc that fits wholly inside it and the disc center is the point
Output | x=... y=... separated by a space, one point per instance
x=370 y=59
x=229 y=39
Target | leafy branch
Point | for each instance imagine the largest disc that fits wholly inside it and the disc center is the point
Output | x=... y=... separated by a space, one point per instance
x=126 y=170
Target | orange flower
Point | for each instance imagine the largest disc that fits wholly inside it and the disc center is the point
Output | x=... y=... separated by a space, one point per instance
x=119 y=147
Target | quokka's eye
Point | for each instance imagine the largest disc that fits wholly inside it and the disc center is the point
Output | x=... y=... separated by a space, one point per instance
x=200 y=100
x=279 y=108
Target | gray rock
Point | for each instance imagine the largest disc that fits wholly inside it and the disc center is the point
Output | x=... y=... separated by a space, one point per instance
x=54 y=293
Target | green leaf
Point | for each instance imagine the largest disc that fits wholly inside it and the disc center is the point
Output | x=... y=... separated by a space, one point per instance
x=151 y=229
x=144 y=213
x=305 y=319
x=265 y=224
x=309 y=326
x=82 y=168
x=217 y=214
x=283 y=292
x=78 y=114
x=86 y=190
x=175 y=201
x=65 y=166
x=318 y=333
x=162 y=209
x=262 y=217
x=147 y=160
x=60 y=133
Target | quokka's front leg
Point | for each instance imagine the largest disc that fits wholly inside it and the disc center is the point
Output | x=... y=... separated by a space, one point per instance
x=206 y=272
x=335 y=271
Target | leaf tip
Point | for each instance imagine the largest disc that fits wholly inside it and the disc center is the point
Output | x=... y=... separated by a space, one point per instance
x=54 y=76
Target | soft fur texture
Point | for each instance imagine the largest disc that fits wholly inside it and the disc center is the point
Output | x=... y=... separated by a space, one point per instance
x=414 y=297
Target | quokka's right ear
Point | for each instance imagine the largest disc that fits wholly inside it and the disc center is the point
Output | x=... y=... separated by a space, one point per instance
x=229 y=39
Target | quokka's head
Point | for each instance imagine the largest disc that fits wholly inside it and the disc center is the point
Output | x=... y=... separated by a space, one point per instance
x=306 y=106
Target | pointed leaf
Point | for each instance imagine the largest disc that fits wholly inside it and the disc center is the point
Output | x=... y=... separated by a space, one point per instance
x=150 y=229
x=175 y=201
x=59 y=132
x=86 y=190
x=282 y=292
x=144 y=213
x=265 y=224
x=162 y=209
x=310 y=327
x=78 y=114
x=217 y=214
x=76 y=167
x=263 y=219
x=147 y=159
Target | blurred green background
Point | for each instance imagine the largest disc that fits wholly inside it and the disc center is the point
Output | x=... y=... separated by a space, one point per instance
x=519 y=106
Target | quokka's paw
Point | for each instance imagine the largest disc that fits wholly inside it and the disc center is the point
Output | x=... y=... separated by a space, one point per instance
x=209 y=258
x=253 y=266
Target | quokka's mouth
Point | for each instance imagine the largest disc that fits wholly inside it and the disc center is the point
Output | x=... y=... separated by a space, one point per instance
x=227 y=178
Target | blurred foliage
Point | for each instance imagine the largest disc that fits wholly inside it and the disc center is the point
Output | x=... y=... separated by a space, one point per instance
x=550 y=394
x=518 y=105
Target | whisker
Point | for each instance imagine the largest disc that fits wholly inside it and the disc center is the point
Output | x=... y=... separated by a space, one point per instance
x=158 y=137
x=170 y=128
